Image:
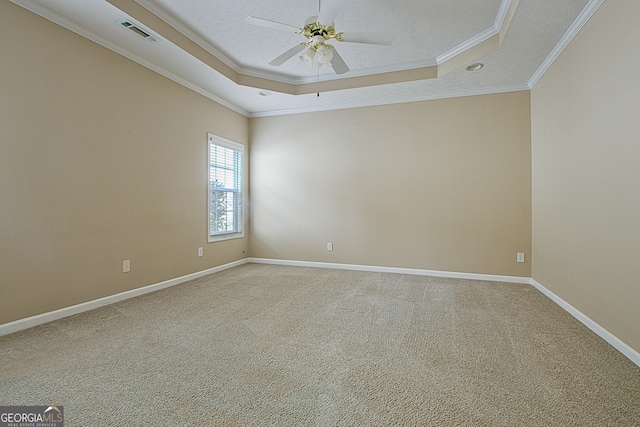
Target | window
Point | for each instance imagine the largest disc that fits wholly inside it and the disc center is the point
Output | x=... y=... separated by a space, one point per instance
x=225 y=189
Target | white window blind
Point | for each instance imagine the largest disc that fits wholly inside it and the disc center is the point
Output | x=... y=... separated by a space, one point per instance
x=225 y=188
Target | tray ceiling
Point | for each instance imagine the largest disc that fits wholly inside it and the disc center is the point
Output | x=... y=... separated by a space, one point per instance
x=207 y=46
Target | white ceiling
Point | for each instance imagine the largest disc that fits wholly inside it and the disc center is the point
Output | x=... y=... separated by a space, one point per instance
x=217 y=54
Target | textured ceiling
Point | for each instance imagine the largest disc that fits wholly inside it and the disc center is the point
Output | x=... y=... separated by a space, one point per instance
x=421 y=29
x=207 y=46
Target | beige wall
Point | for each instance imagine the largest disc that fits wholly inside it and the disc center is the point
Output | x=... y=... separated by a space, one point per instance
x=101 y=160
x=586 y=172
x=440 y=185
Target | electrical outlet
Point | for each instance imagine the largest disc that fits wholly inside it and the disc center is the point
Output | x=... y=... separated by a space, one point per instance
x=520 y=257
x=329 y=246
x=199 y=251
x=126 y=266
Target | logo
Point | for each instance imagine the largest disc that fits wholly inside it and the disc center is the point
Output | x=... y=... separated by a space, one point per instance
x=31 y=416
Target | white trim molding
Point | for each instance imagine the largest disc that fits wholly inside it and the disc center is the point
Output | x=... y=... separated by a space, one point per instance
x=614 y=341
x=64 y=22
x=617 y=343
x=577 y=25
x=419 y=98
x=400 y=270
x=40 y=319
x=29 y=322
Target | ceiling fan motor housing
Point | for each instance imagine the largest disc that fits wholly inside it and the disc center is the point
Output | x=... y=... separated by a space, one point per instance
x=313 y=28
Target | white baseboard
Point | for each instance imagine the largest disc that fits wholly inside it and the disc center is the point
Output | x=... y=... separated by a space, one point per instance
x=618 y=344
x=40 y=319
x=417 y=272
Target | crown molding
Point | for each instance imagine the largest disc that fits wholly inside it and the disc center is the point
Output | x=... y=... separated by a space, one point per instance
x=163 y=14
x=499 y=23
x=262 y=74
x=37 y=8
x=171 y=29
x=503 y=11
x=405 y=100
x=42 y=11
x=573 y=30
x=465 y=46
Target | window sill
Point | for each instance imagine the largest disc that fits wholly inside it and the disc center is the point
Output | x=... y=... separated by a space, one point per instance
x=228 y=236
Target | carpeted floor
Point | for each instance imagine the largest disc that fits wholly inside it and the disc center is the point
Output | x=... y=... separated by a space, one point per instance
x=291 y=346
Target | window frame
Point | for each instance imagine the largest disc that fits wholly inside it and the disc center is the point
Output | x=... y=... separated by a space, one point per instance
x=212 y=235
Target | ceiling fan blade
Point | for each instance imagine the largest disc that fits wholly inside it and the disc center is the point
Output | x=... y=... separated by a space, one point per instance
x=288 y=55
x=260 y=22
x=338 y=64
x=370 y=38
x=328 y=11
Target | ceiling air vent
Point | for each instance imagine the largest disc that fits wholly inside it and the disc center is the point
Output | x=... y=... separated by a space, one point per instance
x=139 y=31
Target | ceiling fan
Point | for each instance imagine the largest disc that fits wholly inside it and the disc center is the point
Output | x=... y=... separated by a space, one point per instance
x=318 y=30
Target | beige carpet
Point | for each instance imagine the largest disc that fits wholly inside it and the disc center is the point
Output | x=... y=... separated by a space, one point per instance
x=291 y=346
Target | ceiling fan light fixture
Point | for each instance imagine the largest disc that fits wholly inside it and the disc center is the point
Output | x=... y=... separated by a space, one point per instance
x=325 y=55
x=307 y=57
x=317 y=30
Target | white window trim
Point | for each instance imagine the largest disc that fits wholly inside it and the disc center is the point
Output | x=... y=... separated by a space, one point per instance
x=218 y=140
